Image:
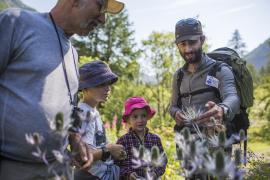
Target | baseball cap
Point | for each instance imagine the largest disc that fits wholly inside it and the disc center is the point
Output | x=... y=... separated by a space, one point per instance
x=112 y=6
x=187 y=29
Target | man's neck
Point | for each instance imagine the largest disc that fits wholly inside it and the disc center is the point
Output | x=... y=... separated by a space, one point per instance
x=61 y=20
x=192 y=67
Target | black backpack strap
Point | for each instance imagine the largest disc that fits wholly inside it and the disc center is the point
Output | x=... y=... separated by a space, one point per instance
x=199 y=91
x=213 y=71
x=245 y=149
x=179 y=79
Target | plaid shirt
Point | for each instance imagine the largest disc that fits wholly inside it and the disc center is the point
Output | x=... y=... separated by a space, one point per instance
x=131 y=140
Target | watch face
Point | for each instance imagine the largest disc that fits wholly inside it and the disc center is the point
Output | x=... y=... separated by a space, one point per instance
x=100 y=138
x=105 y=153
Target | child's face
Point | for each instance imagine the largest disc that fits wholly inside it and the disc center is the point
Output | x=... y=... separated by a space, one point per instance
x=99 y=93
x=138 y=119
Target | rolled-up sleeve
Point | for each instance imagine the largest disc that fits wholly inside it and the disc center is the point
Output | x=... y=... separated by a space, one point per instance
x=228 y=92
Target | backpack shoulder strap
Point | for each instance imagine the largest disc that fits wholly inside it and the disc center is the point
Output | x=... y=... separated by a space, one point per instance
x=216 y=67
x=180 y=75
x=213 y=71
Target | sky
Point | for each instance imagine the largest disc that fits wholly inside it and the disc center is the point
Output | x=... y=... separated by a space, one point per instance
x=220 y=18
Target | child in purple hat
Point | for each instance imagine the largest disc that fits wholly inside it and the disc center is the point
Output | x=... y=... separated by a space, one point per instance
x=137 y=112
x=95 y=83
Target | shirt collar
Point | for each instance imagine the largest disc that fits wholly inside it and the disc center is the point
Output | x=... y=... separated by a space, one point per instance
x=133 y=132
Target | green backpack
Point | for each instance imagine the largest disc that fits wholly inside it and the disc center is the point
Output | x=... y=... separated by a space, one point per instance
x=243 y=78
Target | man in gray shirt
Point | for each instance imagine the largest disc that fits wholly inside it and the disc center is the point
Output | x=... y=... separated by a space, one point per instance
x=39 y=78
x=197 y=89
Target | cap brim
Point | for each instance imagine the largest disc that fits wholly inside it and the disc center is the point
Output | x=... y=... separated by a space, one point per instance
x=188 y=37
x=114 y=7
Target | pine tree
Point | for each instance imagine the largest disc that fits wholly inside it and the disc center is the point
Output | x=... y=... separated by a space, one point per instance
x=236 y=43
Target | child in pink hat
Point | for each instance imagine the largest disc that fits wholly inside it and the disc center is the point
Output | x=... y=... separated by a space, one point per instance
x=136 y=114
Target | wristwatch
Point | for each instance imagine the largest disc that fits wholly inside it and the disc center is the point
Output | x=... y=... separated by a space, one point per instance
x=105 y=153
x=225 y=111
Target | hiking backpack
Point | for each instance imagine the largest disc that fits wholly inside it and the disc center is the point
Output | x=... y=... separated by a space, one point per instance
x=243 y=81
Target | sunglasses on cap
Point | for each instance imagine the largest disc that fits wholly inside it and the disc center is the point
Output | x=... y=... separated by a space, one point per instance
x=189 y=21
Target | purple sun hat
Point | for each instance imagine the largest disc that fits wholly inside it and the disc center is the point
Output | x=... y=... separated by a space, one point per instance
x=95 y=73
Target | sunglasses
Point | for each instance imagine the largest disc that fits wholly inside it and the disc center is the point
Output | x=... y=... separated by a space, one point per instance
x=103 y=5
x=189 y=21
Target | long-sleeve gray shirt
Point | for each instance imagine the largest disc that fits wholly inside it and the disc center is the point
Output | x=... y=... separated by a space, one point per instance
x=32 y=83
x=197 y=80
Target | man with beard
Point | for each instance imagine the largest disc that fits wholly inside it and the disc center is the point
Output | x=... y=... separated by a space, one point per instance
x=38 y=79
x=193 y=86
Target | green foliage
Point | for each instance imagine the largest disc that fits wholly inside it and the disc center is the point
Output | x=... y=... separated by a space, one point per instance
x=13 y=3
x=255 y=75
x=259 y=168
x=113 y=43
x=162 y=54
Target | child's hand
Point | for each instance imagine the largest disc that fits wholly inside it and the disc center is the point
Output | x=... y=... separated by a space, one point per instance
x=117 y=151
x=83 y=156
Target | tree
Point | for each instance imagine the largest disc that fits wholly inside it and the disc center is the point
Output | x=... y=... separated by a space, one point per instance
x=237 y=43
x=160 y=50
x=113 y=43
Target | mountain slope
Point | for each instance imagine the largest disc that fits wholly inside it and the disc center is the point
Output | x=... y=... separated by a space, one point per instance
x=13 y=3
x=260 y=56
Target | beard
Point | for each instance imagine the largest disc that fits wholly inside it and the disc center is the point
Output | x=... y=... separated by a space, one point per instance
x=196 y=56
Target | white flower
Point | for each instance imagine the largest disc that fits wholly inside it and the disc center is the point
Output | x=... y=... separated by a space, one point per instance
x=34 y=139
x=191 y=114
x=214 y=142
x=58 y=155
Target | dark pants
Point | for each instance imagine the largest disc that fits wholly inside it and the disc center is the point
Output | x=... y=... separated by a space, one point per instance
x=14 y=170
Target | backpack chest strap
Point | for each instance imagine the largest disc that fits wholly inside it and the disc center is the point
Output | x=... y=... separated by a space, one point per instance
x=200 y=91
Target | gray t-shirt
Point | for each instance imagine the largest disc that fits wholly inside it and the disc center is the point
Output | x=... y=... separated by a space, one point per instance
x=32 y=84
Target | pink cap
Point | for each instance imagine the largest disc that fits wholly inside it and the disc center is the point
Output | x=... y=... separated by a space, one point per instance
x=137 y=102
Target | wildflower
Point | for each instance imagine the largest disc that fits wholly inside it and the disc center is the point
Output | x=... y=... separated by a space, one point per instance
x=59 y=121
x=191 y=114
x=34 y=139
x=37 y=153
x=238 y=159
x=220 y=140
x=58 y=155
x=154 y=153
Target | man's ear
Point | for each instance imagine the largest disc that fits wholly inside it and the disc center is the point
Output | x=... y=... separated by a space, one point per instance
x=202 y=39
